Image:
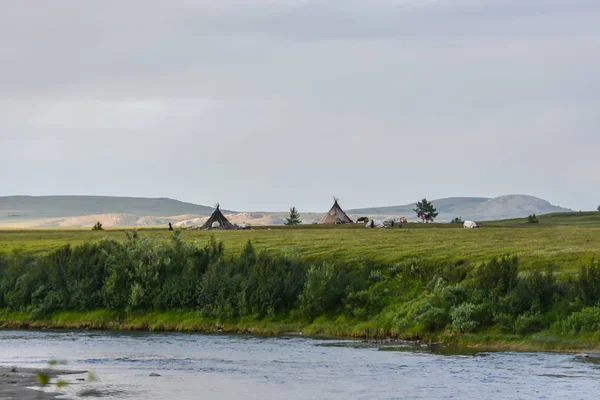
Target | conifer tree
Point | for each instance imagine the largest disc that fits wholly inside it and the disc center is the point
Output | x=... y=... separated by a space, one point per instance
x=294 y=217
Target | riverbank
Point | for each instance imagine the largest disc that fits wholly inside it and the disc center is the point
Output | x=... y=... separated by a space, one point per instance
x=20 y=383
x=143 y=284
x=340 y=328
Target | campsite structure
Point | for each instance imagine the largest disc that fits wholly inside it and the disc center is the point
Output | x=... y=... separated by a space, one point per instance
x=470 y=224
x=336 y=215
x=217 y=221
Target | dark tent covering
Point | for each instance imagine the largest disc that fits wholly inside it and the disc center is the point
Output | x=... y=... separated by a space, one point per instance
x=336 y=215
x=221 y=222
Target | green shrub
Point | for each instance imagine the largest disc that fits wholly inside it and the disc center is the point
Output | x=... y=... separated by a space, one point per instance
x=319 y=293
x=465 y=318
x=535 y=292
x=454 y=295
x=586 y=320
x=505 y=321
x=530 y=323
x=496 y=277
x=430 y=314
x=587 y=287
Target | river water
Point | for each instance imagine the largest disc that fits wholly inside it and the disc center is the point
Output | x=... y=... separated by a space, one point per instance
x=195 y=366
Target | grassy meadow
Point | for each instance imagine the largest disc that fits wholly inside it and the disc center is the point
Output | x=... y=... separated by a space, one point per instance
x=566 y=240
x=509 y=284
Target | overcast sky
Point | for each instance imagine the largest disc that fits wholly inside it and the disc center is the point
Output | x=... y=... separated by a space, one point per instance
x=265 y=104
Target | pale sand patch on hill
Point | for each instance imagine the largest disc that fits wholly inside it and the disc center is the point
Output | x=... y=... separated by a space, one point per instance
x=183 y=221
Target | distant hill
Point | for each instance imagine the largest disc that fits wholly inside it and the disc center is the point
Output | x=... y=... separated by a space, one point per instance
x=472 y=208
x=54 y=210
x=450 y=205
x=82 y=211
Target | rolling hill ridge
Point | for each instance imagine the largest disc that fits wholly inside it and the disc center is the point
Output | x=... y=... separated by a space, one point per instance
x=81 y=211
x=474 y=208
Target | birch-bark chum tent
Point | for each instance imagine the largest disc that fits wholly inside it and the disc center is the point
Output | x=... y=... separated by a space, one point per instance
x=217 y=221
x=336 y=215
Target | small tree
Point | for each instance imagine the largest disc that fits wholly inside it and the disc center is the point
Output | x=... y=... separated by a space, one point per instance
x=457 y=220
x=598 y=209
x=425 y=211
x=97 y=227
x=294 y=218
x=532 y=219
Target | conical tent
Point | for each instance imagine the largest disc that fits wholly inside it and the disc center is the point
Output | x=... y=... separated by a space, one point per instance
x=217 y=221
x=336 y=215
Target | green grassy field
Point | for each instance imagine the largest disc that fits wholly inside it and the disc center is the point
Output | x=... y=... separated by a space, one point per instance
x=163 y=284
x=566 y=239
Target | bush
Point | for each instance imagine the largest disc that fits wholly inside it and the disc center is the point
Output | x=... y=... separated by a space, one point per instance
x=586 y=320
x=430 y=314
x=532 y=219
x=454 y=295
x=319 y=293
x=587 y=286
x=496 y=278
x=97 y=227
x=465 y=318
x=530 y=323
x=535 y=292
x=505 y=321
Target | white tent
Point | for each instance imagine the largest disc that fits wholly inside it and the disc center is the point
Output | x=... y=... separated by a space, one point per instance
x=375 y=223
x=470 y=224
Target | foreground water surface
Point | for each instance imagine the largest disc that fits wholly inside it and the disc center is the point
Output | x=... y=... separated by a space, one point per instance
x=193 y=366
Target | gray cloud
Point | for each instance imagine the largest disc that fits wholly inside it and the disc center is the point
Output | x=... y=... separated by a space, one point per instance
x=268 y=104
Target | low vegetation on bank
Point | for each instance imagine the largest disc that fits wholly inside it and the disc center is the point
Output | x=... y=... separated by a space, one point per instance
x=142 y=282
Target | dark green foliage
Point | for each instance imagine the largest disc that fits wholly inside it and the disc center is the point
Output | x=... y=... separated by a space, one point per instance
x=586 y=320
x=425 y=211
x=535 y=292
x=320 y=292
x=588 y=285
x=293 y=218
x=431 y=314
x=496 y=278
x=465 y=317
x=505 y=321
x=97 y=226
x=531 y=323
x=457 y=220
x=532 y=219
x=139 y=274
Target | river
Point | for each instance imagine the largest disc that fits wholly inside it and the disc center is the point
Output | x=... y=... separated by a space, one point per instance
x=195 y=366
